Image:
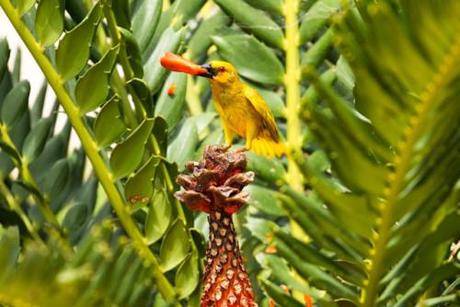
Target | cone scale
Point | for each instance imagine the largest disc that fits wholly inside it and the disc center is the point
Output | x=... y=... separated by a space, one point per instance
x=215 y=187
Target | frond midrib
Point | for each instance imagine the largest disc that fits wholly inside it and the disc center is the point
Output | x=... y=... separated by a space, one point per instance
x=402 y=162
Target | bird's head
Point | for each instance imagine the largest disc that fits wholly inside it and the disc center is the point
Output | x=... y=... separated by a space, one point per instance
x=220 y=71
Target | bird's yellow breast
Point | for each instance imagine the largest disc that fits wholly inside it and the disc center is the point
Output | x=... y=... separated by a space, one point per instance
x=233 y=107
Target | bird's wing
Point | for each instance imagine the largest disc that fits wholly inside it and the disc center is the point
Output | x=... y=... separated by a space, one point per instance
x=261 y=107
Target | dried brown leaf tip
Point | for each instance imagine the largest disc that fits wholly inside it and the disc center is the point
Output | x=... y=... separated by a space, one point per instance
x=215 y=187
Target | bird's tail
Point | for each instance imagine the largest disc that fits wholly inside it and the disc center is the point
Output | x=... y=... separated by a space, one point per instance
x=267 y=147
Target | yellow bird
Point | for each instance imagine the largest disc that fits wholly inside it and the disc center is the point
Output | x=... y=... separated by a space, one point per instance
x=242 y=110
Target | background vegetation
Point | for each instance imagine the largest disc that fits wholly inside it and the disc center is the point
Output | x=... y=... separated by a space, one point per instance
x=362 y=212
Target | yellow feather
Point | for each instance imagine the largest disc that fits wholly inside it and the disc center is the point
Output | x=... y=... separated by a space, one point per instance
x=244 y=112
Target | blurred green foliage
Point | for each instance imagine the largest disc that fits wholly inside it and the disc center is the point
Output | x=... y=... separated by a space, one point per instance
x=361 y=213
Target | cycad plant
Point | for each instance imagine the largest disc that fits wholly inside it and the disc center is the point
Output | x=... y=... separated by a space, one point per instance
x=362 y=211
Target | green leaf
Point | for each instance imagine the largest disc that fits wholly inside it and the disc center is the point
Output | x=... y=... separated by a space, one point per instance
x=185 y=10
x=16 y=72
x=260 y=228
x=143 y=93
x=37 y=108
x=159 y=216
x=36 y=139
x=75 y=217
x=9 y=247
x=15 y=103
x=435 y=277
x=132 y=49
x=313 y=255
x=73 y=50
x=281 y=271
x=318 y=52
x=93 y=87
x=427 y=257
x=121 y=11
x=171 y=106
x=354 y=125
x=310 y=96
x=10 y=151
x=175 y=17
x=57 y=178
x=183 y=147
x=279 y=295
x=4 y=56
x=163 y=24
x=345 y=75
x=265 y=200
x=175 y=246
x=330 y=226
x=316 y=18
x=24 y=6
x=274 y=102
x=314 y=274
x=154 y=74
x=54 y=150
x=215 y=137
x=203 y=121
x=254 y=21
x=272 y=6
x=127 y=155
x=139 y=188
x=5 y=86
x=49 y=21
x=144 y=21
x=237 y=48
x=201 y=38
x=129 y=278
x=267 y=169
x=160 y=131
x=6 y=165
x=109 y=125
x=188 y=276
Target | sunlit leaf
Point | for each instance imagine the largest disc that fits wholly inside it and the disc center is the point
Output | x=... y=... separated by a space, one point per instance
x=73 y=50
x=49 y=21
x=127 y=155
x=109 y=125
x=237 y=48
x=93 y=87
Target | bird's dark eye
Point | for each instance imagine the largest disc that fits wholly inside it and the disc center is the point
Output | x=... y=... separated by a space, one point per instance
x=221 y=69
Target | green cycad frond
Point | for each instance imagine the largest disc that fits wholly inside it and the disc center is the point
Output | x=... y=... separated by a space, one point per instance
x=104 y=271
x=379 y=219
x=130 y=126
x=392 y=211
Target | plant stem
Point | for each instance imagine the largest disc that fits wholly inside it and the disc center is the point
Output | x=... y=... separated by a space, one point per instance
x=292 y=80
x=291 y=83
x=401 y=165
x=90 y=147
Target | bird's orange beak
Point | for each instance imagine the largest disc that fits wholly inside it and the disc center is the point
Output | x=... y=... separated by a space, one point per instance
x=175 y=62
